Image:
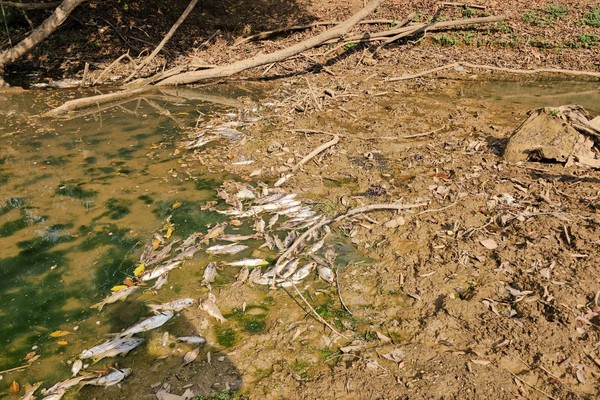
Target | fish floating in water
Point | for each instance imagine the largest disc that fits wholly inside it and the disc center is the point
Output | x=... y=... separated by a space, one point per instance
x=248 y=262
x=116 y=296
x=147 y=324
x=111 y=379
x=175 y=305
x=57 y=391
x=226 y=248
x=158 y=271
x=111 y=348
x=191 y=340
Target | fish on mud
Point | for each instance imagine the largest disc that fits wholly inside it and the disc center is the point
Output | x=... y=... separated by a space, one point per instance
x=191 y=340
x=158 y=271
x=214 y=232
x=148 y=324
x=76 y=367
x=315 y=247
x=209 y=274
x=288 y=268
x=175 y=305
x=303 y=272
x=273 y=221
x=259 y=226
x=326 y=273
x=289 y=239
x=212 y=309
x=248 y=262
x=226 y=248
x=111 y=379
x=111 y=348
x=116 y=296
x=254 y=276
x=269 y=242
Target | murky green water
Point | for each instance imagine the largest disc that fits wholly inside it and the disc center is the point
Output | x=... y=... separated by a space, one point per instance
x=79 y=200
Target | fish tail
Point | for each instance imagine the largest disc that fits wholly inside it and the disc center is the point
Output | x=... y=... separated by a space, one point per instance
x=98 y=306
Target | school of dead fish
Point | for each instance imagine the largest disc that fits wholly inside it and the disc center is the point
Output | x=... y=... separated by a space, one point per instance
x=278 y=219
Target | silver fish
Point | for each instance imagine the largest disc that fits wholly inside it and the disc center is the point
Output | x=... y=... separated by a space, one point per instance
x=254 y=275
x=235 y=238
x=269 y=198
x=248 y=262
x=310 y=222
x=192 y=340
x=212 y=309
x=148 y=324
x=175 y=305
x=158 y=271
x=315 y=247
x=289 y=239
x=325 y=273
x=111 y=348
x=191 y=240
x=273 y=221
x=303 y=272
x=187 y=253
x=111 y=379
x=259 y=225
x=241 y=276
x=146 y=254
x=161 y=255
x=209 y=273
x=289 y=268
x=289 y=211
x=245 y=193
x=226 y=248
x=59 y=389
x=279 y=244
x=160 y=282
x=76 y=367
x=269 y=242
x=116 y=296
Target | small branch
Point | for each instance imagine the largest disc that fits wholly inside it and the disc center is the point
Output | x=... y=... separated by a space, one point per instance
x=417 y=135
x=111 y=66
x=168 y=36
x=14 y=369
x=30 y=6
x=339 y=291
x=463 y=5
x=317 y=314
x=493 y=68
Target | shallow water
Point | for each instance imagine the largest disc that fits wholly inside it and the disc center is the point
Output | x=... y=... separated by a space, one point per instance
x=80 y=199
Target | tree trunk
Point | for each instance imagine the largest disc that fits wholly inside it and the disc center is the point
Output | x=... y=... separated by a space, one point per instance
x=40 y=33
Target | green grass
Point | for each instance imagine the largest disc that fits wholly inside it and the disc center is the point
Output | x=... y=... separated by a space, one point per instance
x=549 y=16
x=593 y=17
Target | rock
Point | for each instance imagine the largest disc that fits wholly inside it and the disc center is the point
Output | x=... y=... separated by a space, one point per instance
x=543 y=136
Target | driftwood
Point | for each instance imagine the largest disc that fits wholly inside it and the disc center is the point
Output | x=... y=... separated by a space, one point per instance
x=493 y=68
x=168 y=36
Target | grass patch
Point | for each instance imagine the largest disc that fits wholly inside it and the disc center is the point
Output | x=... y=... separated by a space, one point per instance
x=548 y=16
x=593 y=17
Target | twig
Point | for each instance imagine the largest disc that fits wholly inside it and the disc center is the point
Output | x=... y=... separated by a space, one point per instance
x=312 y=94
x=168 y=36
x=463 y=5
x=30 y=6
x=14 y=369
x=317 y=314
x=493 y=68
x=86 y=70
x=339 y=291
x=6 y=24
x=110 y=67
x=530 y=385
x=417 y=135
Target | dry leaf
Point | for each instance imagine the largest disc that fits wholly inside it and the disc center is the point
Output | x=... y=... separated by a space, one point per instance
x=396 y=356
x=117 y=288
x=489 y=244
x=581 y=377
x=139 y=270
x=191 y=356
x=481 y=362
x=155 y=244
x=60 y=333
x=177 y=204
x=62 y=343
x=14 y=387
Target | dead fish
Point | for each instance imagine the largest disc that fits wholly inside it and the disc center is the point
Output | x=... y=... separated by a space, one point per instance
x=303 y=272
x=175 y=305
x=289 y=211
x=254 y=275
x=289 y=239
x=190 y=356
x=325 y=273
x=187 y=253
x=214 y=232
x=111 y=348
x=165 y=339
x=158 y=271
x=310 y=222
x=116 y=296
x=146 y=254
x=161 y=255
x=279 y=244
x=192 y=340
x=197 y=144
x=269 y=198
x=160 y=282
x=236 y=238
x=245 y=194
x=212 y=309
x=289 y=268
x=273 y=221
x=269 y=242
x=241 y=276
x=248 y=262
x=30 y=390
x=244 y=162
x=264 y=280
x=259 y=225
x=315 y=247
x=209 y=274
x=191 y=240
x=226 y=248
x=282 y=180
x=57 y=391
x=76 y=367
x=148 y=324
x=111 y=379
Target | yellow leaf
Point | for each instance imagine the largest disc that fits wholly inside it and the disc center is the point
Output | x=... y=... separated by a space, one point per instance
x=155 y=244
x=60 y=333
x=177 y=204
x=170 y=230
x=117 y=288
x=14 y=387
x=139 y=270
x=62 y=343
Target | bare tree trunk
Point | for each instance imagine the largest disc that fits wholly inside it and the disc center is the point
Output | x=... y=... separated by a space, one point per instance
x=51 y=23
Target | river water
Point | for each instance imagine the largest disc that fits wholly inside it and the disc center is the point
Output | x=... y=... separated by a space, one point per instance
x=81 y=198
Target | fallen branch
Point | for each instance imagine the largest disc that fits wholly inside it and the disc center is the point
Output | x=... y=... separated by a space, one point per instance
x=168 y=36
x=78 y=104
x=339 y=291
x=317 y=314
x=267 y=34
x=265 y=59
x=30 y=6
x=111 y=66
x=309 y=157
x=493 y=68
